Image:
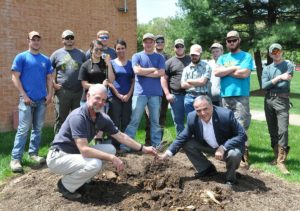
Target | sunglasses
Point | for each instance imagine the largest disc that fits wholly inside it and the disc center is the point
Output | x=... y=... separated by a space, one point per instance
x=104 y=37
x=98 y=49
x=232 y=41
x=69 y=38
x=276 y=52
x=160 y=42
x=179 y=46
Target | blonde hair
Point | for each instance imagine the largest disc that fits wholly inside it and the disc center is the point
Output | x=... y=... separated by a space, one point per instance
x=102 y=32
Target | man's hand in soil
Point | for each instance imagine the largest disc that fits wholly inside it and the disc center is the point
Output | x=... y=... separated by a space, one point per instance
x=219 y=154
x=118 y=163
x=161 y=157
x=149 y=150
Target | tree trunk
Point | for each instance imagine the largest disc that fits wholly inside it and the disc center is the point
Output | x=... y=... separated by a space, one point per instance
x=258 y=64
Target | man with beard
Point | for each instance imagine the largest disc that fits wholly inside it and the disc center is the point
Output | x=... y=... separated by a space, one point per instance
x=234 y=69
x=195 y=78
x=68 y=90
x=71 y=155
x=171 y=84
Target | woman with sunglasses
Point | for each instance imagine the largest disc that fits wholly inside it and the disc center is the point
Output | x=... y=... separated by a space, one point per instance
x=95 y=69
x=121 y=89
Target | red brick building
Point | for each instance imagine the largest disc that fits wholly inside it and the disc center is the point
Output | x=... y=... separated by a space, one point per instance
x=51 y=18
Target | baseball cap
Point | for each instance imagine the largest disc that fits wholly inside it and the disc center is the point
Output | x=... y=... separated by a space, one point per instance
x=275 y=45
x=67 y=33
x=179 y=41
x=148 y=36
x=32 y=34
x=159 y=37
x=196 y=49
x=232 y=34
x=216 y=45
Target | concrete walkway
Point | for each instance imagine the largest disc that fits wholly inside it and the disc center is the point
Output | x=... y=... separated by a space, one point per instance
x=260 y=116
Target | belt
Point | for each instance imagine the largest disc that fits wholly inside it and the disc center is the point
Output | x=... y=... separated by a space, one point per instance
x=195 y=94
x=274 y=94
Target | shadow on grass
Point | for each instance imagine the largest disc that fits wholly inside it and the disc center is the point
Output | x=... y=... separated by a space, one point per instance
x=262 y=93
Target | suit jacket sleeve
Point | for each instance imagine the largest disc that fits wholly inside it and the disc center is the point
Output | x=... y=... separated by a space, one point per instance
x=185 y=135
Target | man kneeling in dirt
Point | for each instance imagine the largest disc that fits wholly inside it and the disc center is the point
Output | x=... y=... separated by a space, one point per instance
x=70 y=153
x=213 y=130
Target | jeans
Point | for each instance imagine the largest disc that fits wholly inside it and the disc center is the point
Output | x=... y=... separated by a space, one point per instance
x=29 y=115
x=189 y=103
x=138 y=107
x=178 y=112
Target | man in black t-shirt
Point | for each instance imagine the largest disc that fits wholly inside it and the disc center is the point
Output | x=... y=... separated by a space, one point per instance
x=171 y=83
x=71 y=155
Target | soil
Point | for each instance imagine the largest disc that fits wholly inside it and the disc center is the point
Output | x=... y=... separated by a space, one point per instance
x=145 y=185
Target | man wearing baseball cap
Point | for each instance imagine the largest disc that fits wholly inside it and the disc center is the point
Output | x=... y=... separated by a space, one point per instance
x=276 y=80
x=195 y=78
x=171 y=83
x=234 y=69
x=68 y=90
x=32 y=76
x=214 y=90
x=148 y=66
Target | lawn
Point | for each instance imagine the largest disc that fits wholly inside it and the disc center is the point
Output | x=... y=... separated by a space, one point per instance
x=260 y=150
x=257 y=98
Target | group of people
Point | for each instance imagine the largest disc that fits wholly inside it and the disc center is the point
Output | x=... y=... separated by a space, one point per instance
x=212 y=96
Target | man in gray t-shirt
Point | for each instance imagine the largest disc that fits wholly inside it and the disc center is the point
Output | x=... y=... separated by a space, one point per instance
x=68 y=90
x=71 y=155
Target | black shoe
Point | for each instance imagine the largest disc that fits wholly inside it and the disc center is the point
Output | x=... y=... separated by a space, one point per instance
x=210 y=171
x=67 y=194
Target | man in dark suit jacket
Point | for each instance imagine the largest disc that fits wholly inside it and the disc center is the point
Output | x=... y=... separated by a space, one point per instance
x=213 y=130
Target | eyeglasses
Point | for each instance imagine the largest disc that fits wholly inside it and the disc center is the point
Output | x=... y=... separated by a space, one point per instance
x=98 y=49
x=232 y=41
x=69 y=38
x=276 y=52
x=179 y=46
x=105 y=37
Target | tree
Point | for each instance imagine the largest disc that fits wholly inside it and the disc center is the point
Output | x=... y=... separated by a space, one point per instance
x=260 y=22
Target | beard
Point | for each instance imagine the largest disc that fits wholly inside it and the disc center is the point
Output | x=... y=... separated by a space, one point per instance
x=234 y=49
x=97 y=110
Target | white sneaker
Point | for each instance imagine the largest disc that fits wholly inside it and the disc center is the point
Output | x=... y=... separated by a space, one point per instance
x=38 y=159
x=16 y=166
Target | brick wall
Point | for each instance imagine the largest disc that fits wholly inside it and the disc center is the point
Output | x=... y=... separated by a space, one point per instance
x=51 y=18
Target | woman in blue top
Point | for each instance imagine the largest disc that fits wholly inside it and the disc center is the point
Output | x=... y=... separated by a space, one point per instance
x=121 y=88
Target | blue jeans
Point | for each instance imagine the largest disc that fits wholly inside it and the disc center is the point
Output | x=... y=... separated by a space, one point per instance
x=178 y=112
x=138 y=107
x=29 y=115
x=189 y=103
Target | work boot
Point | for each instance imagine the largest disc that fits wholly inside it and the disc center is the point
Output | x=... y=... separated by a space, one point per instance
x=245 y=159
x=282 y=155
x=275 y=151
x=38 y=159
x=16 y=166
x=67 y=194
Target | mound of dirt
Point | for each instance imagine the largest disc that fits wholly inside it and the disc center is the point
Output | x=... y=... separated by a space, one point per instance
x=145 y=185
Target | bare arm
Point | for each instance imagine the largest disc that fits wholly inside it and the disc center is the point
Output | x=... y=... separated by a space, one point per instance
x=164 y=83
x=156 y=74
x=86 y=85
x=143 y=71
x=186 y=85
x=197 y=82
x=221 y=71
x=17 y=83
x=129 y=94
x=241 y=73
x=49 y=88
x=89 y=152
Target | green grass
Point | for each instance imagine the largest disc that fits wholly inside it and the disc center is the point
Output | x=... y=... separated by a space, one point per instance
x=260 y=150
x=257 y=102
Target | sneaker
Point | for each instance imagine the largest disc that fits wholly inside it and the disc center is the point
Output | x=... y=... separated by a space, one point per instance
x=67 y=194
x=162 y=146
x=38 y=159
x=16 y=166
x=210 y=171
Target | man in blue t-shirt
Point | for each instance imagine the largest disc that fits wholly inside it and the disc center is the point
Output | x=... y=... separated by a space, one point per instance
x=148 y=67
x=32 y=76
x=234 y=69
